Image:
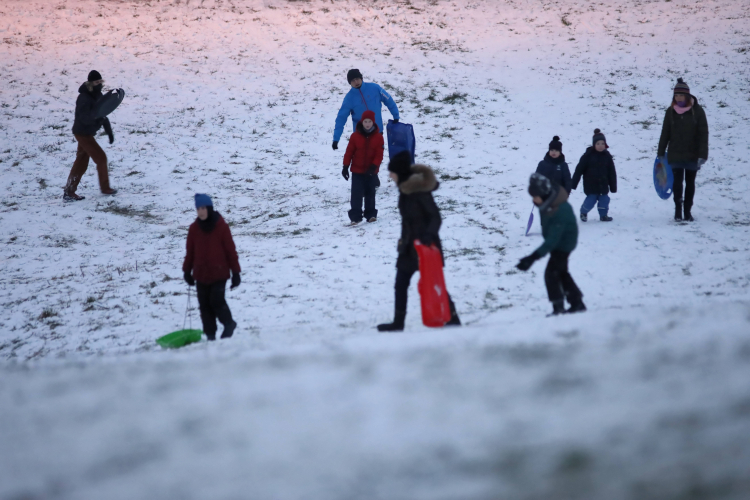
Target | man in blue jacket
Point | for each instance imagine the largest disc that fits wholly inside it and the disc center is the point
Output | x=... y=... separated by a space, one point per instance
x=362 y=97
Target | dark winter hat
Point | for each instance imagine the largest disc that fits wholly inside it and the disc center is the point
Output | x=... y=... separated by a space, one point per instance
x=540 y=186
x=681 y=87
x=368 y=114
x=352 y=74
x=203 y=200
x=401 y=165
x=555 y=144
x=94 y=76
x=599 y=136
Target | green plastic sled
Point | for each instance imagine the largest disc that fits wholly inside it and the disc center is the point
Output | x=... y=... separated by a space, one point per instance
x=179 y=338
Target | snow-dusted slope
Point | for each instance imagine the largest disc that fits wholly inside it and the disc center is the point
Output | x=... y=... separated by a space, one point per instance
x=238 y=99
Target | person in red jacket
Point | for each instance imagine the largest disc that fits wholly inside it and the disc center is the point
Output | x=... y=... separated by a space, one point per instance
x=210 y=256
x=364 y=154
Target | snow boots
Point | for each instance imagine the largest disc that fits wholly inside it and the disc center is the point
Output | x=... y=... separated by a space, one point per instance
x=72 y=197
x=396 y=326
x=678 y=210
x=558 y=307
x=584 y=217
x=605 y=218
x=576 y=306
x=688 y=216
x=229 y=330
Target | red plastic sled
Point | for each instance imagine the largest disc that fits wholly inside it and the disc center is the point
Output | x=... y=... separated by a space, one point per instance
x=435 y=306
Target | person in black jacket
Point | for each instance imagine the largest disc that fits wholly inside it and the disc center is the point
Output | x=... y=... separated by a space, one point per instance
x=599 y=177
x=554 y=167
x=420 y=220
x=85 y=127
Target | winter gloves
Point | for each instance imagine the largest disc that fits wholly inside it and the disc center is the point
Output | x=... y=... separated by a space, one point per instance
x=108 y=130
x=235 y=281
x=525 y=263
x=395 y=120
x=701 y=161
x=335 y=145
x=189 y=278
x=372 y=170
x=427 y=239
x=345 y=172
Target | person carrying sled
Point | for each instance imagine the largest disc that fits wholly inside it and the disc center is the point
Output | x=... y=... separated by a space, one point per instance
x=420 y=220
x=364 y=154
x=210 y=256
x=599 y=177
x=85 y=127
x=684 y=139
x=553 y=166
x=560 y=238
x=360 y=98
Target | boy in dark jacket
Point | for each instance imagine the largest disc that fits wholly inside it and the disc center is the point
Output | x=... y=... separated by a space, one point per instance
x=210 y=256
x=599 y=177
x=364 y=154
x=420 y=220
x=560 y=238
x=85 y=127
x=554 y=167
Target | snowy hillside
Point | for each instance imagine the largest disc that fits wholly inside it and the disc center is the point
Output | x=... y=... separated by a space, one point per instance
x=644 y=396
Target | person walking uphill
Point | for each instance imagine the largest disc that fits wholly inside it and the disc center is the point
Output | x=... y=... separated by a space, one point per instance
x=85 y=127
x=599 y=177
x=360 y=98
x=554 y=166
x=560 y=239
x=364 y=154
x=684 y=139
x=420 y=220
x=210 y=257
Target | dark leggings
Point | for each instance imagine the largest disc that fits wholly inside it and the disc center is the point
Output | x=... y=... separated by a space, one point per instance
x=559 y=282
x=688 y=176
x=403 y=279
x=213 y=305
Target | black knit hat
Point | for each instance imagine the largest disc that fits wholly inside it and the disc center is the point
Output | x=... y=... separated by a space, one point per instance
x=598 y=136
x=540 y=186
x=681 y=87
x=555 y=144
x=401 y=165
x=94 y=76
x=352 y=74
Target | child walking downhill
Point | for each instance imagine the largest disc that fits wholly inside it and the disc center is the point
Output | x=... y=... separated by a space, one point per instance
x=420 y=220
x=364 y=154
x=599 y=177
x=560 y=238
x=210 y=257
x=554 y=167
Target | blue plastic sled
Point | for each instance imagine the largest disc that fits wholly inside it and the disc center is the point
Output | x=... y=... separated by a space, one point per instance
x=108 y=103
x=400 y=138
x=663 y=178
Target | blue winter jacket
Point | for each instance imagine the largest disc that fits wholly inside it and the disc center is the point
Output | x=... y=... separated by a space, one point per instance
x=556 y=170
x=357 y=101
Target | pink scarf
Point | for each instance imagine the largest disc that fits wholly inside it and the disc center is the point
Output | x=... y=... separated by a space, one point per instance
x=680 y=110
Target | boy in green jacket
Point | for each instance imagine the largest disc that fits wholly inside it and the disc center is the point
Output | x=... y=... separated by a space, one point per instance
x=560 y=233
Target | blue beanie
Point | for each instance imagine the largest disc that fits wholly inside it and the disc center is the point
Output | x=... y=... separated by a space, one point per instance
x=203 y=200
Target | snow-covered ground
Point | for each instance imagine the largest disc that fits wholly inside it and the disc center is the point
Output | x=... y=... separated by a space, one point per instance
x=646 y=396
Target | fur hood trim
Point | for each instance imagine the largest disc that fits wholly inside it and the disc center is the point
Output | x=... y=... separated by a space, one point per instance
x=422 y=180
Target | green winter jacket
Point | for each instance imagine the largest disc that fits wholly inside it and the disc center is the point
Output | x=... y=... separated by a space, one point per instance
x=685 y=134
x=559 y=226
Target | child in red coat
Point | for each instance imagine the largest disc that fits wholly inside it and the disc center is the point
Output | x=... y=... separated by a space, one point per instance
x=210 y=256
x=364 y=153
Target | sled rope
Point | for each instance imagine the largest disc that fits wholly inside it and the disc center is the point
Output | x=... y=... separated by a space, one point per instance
x=188 y=313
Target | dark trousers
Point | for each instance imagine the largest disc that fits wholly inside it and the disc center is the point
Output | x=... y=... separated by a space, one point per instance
x=688 y=176
x=363 y=186
x=403 y=279
x=88 y=148
x=213 y=305
x=559 y=282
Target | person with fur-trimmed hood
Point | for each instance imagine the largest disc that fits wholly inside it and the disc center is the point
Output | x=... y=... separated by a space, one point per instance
x=597 y=167
x=560 y=233
x=85 y=127
x=364 y=154
x=210 y=256
x=420 y=220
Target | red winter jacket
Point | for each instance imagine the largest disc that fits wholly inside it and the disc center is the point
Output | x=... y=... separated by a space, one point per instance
x=364 y=149
x=211 y=255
